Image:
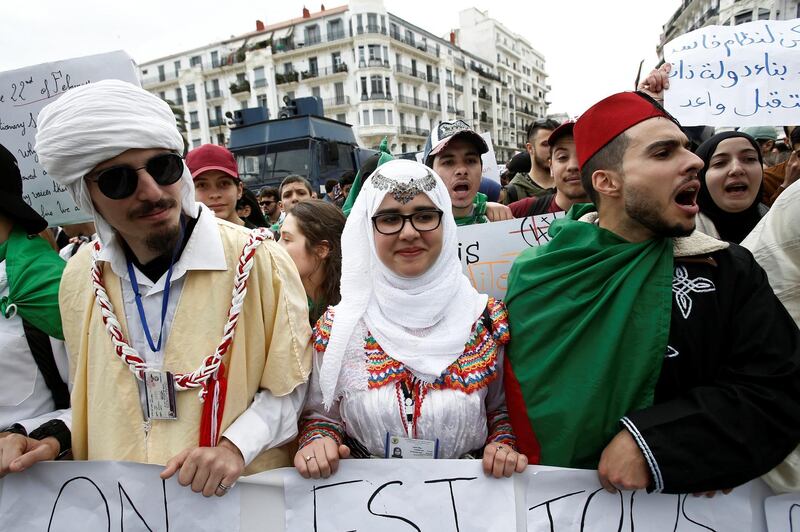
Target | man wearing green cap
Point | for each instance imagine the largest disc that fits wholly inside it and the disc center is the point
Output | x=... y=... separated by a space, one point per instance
x=33 y=361
x=641 y=347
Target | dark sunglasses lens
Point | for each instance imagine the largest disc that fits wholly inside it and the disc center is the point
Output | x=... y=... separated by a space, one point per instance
x=166 y=169
x=118 y=183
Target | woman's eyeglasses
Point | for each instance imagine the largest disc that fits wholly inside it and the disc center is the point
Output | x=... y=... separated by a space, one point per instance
x=391 y=223
x=119 y=182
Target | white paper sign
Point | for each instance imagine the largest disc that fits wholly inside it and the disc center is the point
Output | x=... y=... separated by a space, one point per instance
x=489 y=159
x=401 y=495
x=81 y=496
x=487 y=251
x=783 y=513
x=23 y=93
x=566 y=500
x=745 y=75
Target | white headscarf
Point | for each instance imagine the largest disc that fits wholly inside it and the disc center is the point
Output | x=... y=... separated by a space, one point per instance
x=94 y=123
x=423 y=322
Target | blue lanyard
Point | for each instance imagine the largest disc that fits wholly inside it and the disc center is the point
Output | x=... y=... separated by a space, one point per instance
x=155 y=348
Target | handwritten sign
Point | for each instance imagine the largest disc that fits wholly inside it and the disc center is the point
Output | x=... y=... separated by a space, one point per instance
x=401 y=495
x=574 y=500
x=23 y=93
x=81 y=496
x=745 y=75
x=783 y=513
x=487 y=251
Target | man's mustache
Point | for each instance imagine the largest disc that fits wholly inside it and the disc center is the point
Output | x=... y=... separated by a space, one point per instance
x=152 y=206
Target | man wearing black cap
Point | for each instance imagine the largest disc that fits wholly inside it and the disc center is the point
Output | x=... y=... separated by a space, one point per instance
x=33 y=361
x=642 y=347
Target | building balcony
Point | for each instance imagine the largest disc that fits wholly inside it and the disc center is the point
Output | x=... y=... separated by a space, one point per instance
x=241 y=88
x=371 y=28
x=336 y=102
x=420 y=47
x=286 y=77
x=433 y=78
x=484 y=73
x=406 y=71
x=260 y=83
x=216 y=122
x=167 y=78
x=375 y=63
x=376 y=96
x=324 y=72
x=459 y=113
x=414 y=131
x=460 y=63
x=213 y=94
x=414 y=102
x=483 y=95
x=458 y=88
x=434 y=106
x=313 y=39
x=335 y=36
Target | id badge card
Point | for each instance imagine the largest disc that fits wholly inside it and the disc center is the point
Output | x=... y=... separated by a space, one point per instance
x=160 y=395
x=401 y=447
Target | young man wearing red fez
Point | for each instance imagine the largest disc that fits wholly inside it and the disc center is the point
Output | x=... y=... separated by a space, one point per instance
x=643 y=348
x=216 y=180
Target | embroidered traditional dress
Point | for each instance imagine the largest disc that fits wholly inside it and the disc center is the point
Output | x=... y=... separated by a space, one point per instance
x=463 y=408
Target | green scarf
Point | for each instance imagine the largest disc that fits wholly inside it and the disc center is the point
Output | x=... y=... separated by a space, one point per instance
x=590 y=315
x=358 y=182
x=315 y=310
x=34 y=273
x=478 y=215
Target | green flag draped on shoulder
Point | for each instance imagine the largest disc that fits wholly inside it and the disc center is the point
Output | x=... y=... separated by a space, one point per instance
x=34 y=274
x=590 y=315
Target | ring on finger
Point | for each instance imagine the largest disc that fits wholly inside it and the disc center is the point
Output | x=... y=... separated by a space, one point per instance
x=308 y=458
x=223 y=487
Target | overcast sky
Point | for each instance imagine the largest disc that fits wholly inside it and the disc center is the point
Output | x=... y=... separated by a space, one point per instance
x=592 y=49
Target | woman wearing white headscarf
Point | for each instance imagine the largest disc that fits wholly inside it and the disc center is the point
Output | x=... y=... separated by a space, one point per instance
x=409 y=363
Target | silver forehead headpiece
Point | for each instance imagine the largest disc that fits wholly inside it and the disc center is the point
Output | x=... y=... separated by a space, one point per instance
x=401 y=191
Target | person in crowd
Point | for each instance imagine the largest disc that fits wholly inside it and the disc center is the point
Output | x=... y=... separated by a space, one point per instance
x=694 y=364
x=248 y=210
x=412 y=351
x=331 y=191
x=78 y=235
x=453 y=150
x=269 y=201
x=781 y=176
x=293 y=190
x=519 y=163
x=216 y=180
x=538 y=180
x=775 y=244
x=311 y=234
x=33 y=360
x=166 y=266
x=730 y=191
x=345 y=183
x=566 y=176
x=765 y=137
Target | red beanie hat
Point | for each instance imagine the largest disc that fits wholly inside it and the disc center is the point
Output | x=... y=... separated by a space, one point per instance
x=606 y=119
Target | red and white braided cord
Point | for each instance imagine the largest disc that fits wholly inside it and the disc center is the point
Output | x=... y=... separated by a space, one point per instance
x=210 y=365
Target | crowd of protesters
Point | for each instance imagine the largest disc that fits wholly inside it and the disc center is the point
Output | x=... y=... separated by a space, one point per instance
x=654 y=338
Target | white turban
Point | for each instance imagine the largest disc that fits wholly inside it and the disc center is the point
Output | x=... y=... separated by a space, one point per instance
x=94 y=123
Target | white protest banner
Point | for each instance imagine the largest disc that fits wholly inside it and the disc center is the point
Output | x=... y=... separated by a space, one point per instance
x=566 y=500
x=23 y=93
x=490 y=168
x=401 y=495
x=488 y=250
x=744 y=75
x=82 y=496
x=783 y=513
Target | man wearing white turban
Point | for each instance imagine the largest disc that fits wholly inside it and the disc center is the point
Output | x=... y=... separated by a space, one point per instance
x=148 y=312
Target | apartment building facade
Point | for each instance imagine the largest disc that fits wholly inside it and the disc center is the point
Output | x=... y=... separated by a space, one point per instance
x=372 y=69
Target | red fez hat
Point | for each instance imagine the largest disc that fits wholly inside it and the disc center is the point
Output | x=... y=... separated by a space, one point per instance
x=606 y=119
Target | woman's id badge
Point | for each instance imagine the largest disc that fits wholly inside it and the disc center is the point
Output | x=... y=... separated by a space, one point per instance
x=401 y=447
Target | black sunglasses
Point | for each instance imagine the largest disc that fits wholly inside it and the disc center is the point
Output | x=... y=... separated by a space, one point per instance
x=119 y=182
